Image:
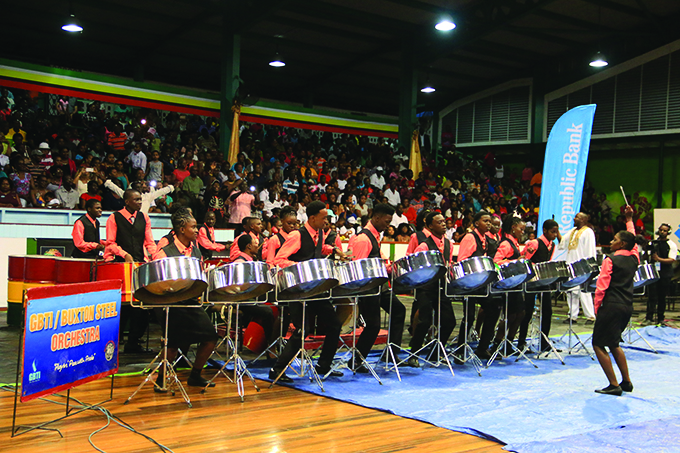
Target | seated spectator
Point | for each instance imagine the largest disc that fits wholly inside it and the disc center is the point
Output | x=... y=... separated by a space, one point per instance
x=403 y=233
x=67 y=194
x=38 y=199
x=92 y=193
x=8 y=196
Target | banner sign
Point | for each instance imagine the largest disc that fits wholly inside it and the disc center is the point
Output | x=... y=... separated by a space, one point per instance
x=564 y=170
x=671 y=217
x=71 y=336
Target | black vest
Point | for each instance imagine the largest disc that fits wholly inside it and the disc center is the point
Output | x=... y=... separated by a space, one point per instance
x=90 y=234
x=515 y=251
x=492 y=246
x=282 y=240
x=542 y=253
x=447 y=247
x=207 y=254
x=171 y=250
x=621 y=284
x=421 y=237
x=375 y=246
x=307 y=250
x=131 y=236
x=665 y=270
x=481 y=247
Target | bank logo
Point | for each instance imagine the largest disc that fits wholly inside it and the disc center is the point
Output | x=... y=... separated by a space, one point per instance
x=35 y=375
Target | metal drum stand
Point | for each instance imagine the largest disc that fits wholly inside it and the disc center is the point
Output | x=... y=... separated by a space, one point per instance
x=240 y=368
x=171 y=381
x=352 y=351
x=553 y=350
x=627 y=335
x=436 y=341
x=502 y=349
x=569 y=333
x=467 y=354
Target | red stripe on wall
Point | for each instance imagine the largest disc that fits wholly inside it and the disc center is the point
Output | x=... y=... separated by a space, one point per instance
x=316 y=126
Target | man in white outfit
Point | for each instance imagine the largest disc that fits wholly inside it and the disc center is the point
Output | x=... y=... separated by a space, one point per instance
x=579 y=242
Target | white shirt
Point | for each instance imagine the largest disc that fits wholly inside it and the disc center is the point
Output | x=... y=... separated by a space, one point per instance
x=377 y=181
x=585 y=248
x=264 y=195
x=68 y=198
x=147 y=198
x=398 y=220
x=138 y=160
x=393 y=197
x=342 y=183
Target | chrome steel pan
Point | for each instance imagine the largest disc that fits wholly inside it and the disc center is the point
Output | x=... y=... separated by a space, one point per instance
x=579 y=273
x=306 y=279
x=360 y=276
x=547 y=273
x=646 y=274
x=513 y=273
x=169 y=280
x=418 y=269
x=473 y=273
x=241 y=281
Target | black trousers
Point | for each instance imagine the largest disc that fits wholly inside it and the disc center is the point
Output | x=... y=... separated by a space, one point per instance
x=325 y=311
x=139 y=321
x=529 y=303
x=656 y=304
x=492 y=310
x=369 y=308
x=428 y=300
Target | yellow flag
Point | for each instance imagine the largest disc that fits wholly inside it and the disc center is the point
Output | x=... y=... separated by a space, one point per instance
x=416 y=161
x=234 y=142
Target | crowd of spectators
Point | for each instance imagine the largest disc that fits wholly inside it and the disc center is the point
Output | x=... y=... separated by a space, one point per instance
x=60 y=152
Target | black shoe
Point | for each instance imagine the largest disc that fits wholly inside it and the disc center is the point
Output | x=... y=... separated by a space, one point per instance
x=626 y=386
x=521 y=346
x=413 y=362
x=361 y=369
x=285 y=379
x=323 y=371
x=458 y=360
x=590 y=321
x=610 y=390
x=196 y=380
x=483 y=355
x=573 y=321
x=158 y=388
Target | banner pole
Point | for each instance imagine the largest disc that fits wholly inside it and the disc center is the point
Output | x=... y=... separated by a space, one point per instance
x=16 y=380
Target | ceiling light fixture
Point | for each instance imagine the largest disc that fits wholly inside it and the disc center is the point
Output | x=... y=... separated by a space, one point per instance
x=598 y=61
x=277 y=62
x=428 y=88
x=445 y=25
x=72 y=25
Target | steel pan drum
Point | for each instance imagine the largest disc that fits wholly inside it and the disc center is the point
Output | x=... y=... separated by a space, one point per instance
x=360 y=276
x=547 y=273
x=514 y=273
x=473 y=273
x=169 y=280
x=73 y=270
x=237 y=282
x=306 y=279
x=40 y=269
x=579 y=272
x=646 y=274
x=418 y=269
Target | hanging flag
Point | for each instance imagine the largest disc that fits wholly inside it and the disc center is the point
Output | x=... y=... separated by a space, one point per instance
x=416 y=161
x=234 y=142
x=564 y=170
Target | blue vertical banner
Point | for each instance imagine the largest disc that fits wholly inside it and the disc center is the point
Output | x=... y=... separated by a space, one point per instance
x=71 y=336
x=564 y=170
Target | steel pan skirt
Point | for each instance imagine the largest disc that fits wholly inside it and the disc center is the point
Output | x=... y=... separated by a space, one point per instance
x=646 y=274
x=547 y=273
x=360 y=276
x=514 y=273
x=169 y=280
x=418 y=269
x=306 y=279
x=473 y=273
x=237 y=282
x=579 y=272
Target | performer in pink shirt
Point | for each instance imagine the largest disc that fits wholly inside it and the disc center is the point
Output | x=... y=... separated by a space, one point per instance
x=206 y=237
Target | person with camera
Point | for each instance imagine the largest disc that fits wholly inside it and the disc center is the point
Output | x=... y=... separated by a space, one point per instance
x=663 y=253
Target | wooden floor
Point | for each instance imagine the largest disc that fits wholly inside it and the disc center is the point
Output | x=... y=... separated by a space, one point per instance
x=273 y=420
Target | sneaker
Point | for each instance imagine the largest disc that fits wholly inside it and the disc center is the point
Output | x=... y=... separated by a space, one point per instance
x=626 y=386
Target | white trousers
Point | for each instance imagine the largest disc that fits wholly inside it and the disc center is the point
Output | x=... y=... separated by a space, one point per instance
x=577 y=297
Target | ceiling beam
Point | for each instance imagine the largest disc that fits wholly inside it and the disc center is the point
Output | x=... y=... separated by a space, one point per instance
x=541 y=35
x=327 y=30
x=618 y=7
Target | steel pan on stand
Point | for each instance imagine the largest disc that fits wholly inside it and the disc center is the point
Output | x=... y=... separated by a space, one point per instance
x=646 y=274
x=513 y=274
x=305 y=279
x=360 y=276
x=232 y=285
x=169 y=280
x=548 y=273
x=473 y=273
x=580 y=272
x=418 y=269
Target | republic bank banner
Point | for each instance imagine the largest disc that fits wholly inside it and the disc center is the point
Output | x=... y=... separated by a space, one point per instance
x=564 y=170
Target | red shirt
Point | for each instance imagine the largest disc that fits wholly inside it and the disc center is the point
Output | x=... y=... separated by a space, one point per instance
x=293 y=244
x=79 y=233
x=411 y=214
x=206 y=243
x=605 y=276
x=440 y=245
x=361 y=245
x=234 y=250
x=505 y=250
x=272 y=246
x=180 y=174
x=243 y=257
x=413 y=242
x=531 y=247
x=184 y=250
x=468 y=245
x=113 y=249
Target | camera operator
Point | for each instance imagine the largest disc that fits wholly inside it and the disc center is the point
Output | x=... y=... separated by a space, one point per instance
x=664 y=253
